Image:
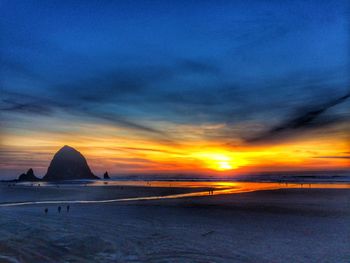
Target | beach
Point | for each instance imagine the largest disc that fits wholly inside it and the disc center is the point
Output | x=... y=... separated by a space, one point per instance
x=280 y=225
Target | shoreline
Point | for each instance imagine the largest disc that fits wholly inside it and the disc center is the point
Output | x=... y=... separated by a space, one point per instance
x=134 y=193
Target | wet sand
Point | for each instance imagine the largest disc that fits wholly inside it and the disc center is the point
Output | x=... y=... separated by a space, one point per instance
x=23 y=193
x=287 y=225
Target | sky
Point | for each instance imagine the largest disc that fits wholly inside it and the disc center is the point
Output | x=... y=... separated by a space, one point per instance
x=175 y=87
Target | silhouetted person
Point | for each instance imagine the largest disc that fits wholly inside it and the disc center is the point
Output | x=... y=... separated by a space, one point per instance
x=46 y=210
x=59 y=209
x=68 y=208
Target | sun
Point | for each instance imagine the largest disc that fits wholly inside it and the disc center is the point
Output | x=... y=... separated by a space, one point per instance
x=222 y=166
x=218 y=161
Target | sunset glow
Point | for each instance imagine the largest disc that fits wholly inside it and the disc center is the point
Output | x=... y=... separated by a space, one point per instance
x=141 y=93
x=123 y=152
x=219 y=161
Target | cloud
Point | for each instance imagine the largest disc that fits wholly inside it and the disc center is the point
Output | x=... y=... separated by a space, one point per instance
x=179 y=90
x=17 y=103
x=133 y=97
x=333 y=157
x=301 y=121
x=108 y=96
x=24 y=108
x=119 y=83
x=121 y=121
x=149 y=150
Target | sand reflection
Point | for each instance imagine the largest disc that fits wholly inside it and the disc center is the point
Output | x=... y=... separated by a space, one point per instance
x=215 y=188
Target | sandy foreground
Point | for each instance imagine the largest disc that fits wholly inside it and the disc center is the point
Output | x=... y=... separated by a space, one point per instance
x=287 y=225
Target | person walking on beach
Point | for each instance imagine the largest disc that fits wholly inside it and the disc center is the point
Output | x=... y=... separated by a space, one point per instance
x=59 y=209
x=68 y=208
x=46 y=210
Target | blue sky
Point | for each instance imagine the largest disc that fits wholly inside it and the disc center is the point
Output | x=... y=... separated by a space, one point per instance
x=136 y=64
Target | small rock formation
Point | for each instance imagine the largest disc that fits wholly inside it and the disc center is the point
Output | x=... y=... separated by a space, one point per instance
x=68 y=164
x=106 y=175
x=29 y=176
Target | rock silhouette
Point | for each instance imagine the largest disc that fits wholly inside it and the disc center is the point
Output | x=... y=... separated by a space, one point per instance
x=29 y=176
x=68 y=164
x=106 y=175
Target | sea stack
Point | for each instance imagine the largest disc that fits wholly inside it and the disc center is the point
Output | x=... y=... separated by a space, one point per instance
x=29 y=176
x=68 y=164
x=106 y=175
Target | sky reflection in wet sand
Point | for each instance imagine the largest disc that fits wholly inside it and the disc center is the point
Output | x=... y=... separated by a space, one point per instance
x=219 y=188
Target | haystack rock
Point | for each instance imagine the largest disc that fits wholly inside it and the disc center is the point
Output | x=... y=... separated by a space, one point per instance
x=29 y=176
x=68 y=164
x=106 y=175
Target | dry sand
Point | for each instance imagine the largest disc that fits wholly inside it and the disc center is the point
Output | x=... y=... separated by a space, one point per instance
x=289 y=225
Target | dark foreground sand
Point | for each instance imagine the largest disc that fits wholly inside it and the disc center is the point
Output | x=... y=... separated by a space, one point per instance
x=289 y=225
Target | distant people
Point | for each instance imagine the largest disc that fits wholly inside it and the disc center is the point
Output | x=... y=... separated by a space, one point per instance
x=59 y=209
x=46 y=210
x=68 y=208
